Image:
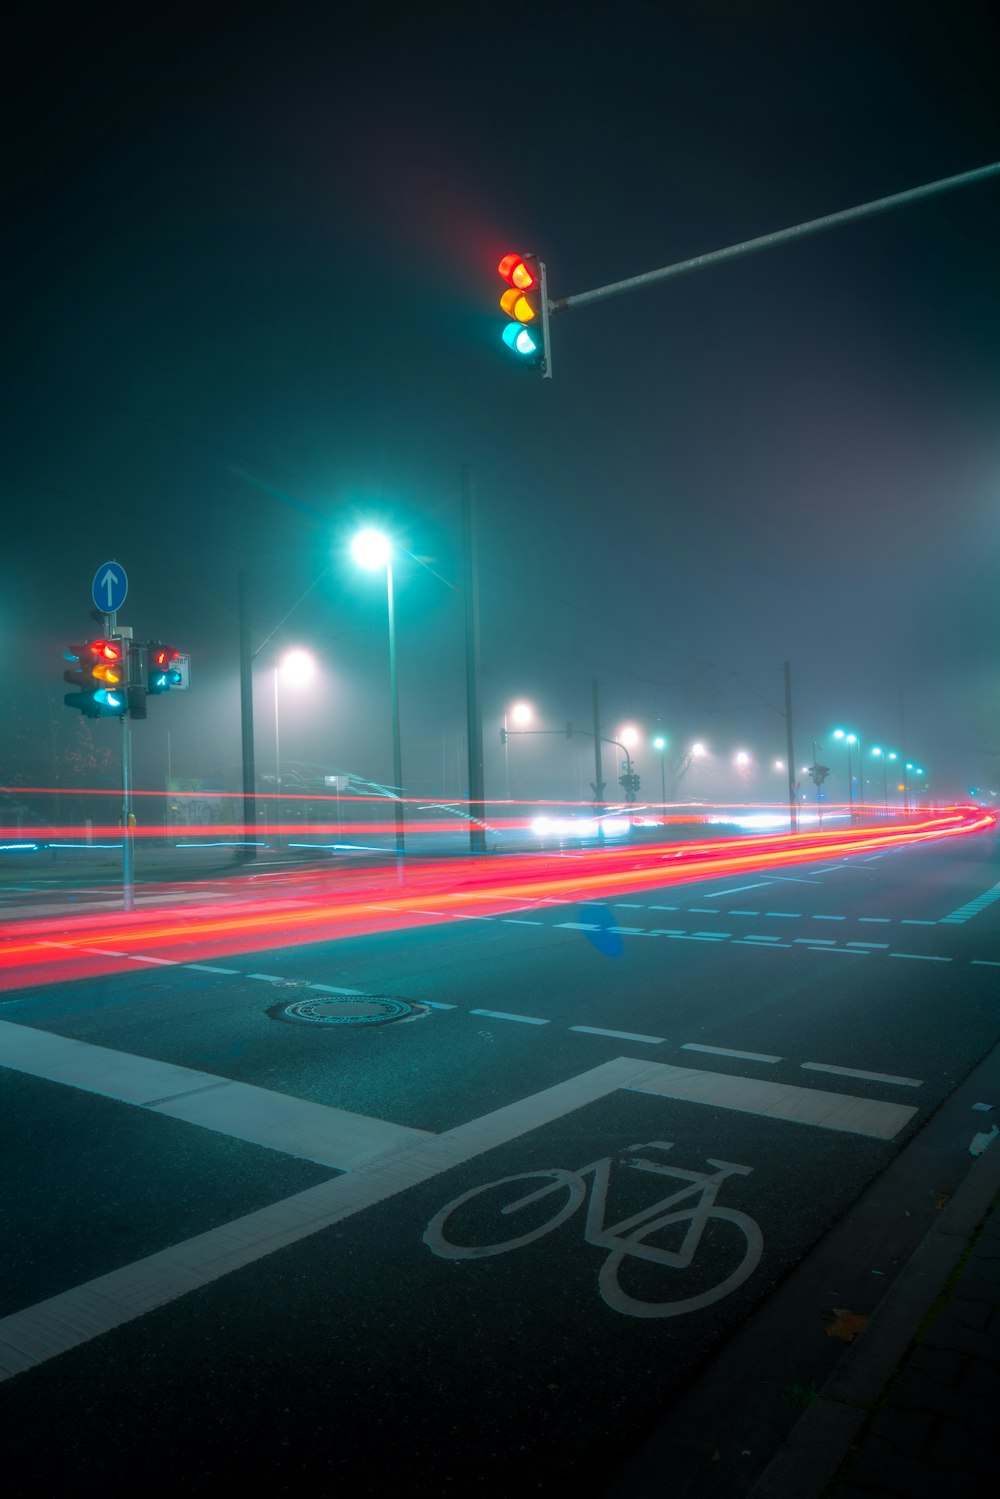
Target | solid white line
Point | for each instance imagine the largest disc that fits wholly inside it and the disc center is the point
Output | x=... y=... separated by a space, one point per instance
x=874 y=1077
x=503 y=1015
x=750 y=1095
x=985 y=962
x=30 y=1337
x=312 y=1131
x=724 y=1051
x=595 y=1030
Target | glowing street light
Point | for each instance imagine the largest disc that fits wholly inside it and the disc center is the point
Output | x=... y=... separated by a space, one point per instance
x=660 y=745
x=521 y=714
x=297 y=667
x=372 y=550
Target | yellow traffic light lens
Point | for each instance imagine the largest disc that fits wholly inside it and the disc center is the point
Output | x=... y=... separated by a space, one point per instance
x=516 y=305
x=106 y=674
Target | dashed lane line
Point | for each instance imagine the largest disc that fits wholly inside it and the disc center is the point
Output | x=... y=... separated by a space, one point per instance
x=725 y=1051
x=504 y=1015
x=873 y=1077
x=596 y=1030
x=922 y=957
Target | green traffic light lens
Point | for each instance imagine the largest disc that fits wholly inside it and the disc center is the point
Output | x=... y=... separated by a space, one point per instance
x=521 y=340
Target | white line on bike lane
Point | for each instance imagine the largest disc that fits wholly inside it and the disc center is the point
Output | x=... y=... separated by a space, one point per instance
x=70 y=1319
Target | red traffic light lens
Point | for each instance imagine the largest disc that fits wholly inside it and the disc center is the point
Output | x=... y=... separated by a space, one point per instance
x=105 y=650
x=514 y=271
x=165 y=655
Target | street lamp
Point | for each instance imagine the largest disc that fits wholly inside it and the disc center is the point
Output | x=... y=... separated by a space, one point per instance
x=521 y=714
x=850 y=739
x=297 y=668
x=660 y=744
x=372 y=550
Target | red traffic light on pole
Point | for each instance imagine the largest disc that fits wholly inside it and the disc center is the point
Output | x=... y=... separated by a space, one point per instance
x=99 y=672
x=163 y=672
x=526 y=304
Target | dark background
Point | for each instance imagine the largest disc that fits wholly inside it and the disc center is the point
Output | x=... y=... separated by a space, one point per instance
x=251 y=302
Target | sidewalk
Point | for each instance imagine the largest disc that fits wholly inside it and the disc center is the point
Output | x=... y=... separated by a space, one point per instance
x=912 y=1410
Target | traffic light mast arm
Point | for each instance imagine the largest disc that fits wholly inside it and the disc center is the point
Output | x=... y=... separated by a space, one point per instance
x=568 y=732
x=778 y=237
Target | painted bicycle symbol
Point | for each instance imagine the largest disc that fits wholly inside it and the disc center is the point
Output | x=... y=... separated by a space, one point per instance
x=631 y=1238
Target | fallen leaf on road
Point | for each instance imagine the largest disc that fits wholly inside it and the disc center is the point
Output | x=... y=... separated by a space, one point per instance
x=846 y=1325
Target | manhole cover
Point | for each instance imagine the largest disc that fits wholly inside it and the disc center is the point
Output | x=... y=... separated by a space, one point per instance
x=367 y=1009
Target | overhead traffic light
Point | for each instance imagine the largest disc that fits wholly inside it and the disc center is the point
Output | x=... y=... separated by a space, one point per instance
x=819 y=773
x=163 y=671
x=629 y=782
x=100 y=673
x=526 y=303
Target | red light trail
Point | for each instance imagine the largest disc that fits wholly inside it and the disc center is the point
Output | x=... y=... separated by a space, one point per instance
x=323 y=905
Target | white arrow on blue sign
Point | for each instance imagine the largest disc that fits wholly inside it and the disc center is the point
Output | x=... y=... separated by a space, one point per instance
x=109 y=587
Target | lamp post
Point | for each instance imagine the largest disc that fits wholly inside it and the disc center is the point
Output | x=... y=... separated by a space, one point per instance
x=659 y=743
x=521 y=714
x=297 y=668
x=372 y=550
x=885 y=758
x=850 y=739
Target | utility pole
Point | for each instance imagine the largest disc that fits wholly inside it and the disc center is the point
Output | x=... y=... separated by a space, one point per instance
x=474 y=716
x=598 y=782
x=793 y=817
x=246 y=726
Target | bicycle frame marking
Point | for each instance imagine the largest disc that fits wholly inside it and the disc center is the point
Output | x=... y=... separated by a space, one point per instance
x=626 y=1238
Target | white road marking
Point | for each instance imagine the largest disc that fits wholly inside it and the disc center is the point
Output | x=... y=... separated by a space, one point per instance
x=207 y=968
x=630 y=905
x=913 y=921
x=335 y=989
x=295 y=1126
x=973 y=907
x=735 y=890
x=829 y=918
x=874 y=1077
x=985 y=963
x=595 y=1030
x=160 y=962
x=815 y=941
x=923 y=957
x=724 y=1051
x=794 y=915
x=750 y=1095
x=883 y=920
x=663 y=931
x=518 y=921
x=630 y=931
x=664 y=908
x=867 y=945
x=30 y=1337
x=851 y=952
x=270 y=978
x=742 y=913
x=577 y=926
x=503 y=1015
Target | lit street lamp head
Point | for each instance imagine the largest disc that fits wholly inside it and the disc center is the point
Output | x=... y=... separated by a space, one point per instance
x=371 y=549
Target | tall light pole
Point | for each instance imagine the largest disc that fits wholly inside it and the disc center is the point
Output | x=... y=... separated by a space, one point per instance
x=659 y=743
x=372 y=550
x=521 y=714
x=849 y=739
x=297 y=668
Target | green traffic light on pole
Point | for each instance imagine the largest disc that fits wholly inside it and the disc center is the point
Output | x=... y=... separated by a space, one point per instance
x=526 y=303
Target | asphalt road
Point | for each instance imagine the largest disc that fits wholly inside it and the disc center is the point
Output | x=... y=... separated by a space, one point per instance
x=242 y=1246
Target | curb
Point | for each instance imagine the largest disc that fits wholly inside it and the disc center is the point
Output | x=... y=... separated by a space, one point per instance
x=807 y=1463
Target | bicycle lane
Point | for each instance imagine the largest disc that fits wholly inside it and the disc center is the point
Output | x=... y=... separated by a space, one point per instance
x=361 y=1351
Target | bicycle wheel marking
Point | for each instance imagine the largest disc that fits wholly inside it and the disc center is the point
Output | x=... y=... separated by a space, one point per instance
x=624 y=1241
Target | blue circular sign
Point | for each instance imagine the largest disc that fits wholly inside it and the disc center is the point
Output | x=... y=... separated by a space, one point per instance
x=109 y=587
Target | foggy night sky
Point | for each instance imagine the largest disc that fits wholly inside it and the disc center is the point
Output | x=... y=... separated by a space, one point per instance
x=251 y=301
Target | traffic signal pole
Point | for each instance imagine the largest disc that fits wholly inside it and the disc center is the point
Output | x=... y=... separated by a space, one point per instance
x=778 y=237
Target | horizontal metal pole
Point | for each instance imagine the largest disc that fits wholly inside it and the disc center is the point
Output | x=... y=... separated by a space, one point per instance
x=779 y=236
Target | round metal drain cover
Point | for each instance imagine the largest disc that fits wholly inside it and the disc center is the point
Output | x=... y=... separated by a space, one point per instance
x=368 y=1009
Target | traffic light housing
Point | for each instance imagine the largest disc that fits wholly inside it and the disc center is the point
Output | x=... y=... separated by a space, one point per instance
x=162 y=673
x=100 y=673
x=819 y=773
x=629 y=782
x=526 y=304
